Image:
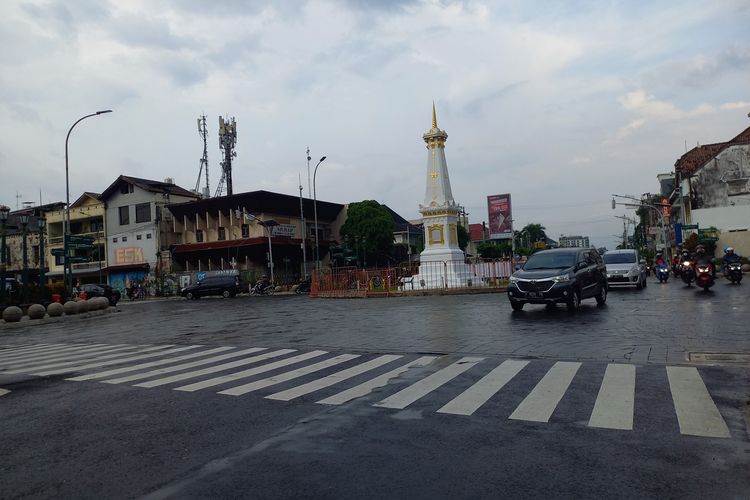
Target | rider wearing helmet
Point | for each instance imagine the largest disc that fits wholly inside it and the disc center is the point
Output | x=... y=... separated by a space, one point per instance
x=729 y=257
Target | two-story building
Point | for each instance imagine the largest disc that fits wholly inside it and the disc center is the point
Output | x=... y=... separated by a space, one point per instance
x=86 y=219
x=713 y=182
x=209 y=235
x=138 y=226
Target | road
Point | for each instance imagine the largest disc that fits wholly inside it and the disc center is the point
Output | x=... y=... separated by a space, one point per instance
x=420 y=397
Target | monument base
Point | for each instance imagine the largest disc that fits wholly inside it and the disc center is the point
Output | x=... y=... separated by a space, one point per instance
x=445 y=274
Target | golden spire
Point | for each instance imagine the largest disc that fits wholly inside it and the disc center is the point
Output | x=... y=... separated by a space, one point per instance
x=434 y=116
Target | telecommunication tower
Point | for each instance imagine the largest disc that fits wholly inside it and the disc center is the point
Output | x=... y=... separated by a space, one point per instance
x=227 y=141
x=203 y=133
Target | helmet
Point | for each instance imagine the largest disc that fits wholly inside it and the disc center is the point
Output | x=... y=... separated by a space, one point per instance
x=729 y=250
x=699 y=249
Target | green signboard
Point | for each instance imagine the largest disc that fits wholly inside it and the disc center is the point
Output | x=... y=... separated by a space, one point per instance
x=689 y=226
x=80 y=240
x=78 y=260
x=58 y=252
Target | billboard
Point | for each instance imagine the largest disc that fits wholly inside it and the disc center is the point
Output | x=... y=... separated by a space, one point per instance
x=500 y=217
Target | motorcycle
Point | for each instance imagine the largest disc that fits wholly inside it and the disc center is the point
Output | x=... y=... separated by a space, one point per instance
x=303 y=287
x=662 y=273
x=262 y=288
x=676 y=270
x=687 y=272
x=734 y=272
x=704 y=276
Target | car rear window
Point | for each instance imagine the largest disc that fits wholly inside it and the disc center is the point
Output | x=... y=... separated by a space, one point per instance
x=556 y=260
x=619 y=258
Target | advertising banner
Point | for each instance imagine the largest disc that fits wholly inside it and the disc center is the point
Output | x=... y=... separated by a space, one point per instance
x=500 y=219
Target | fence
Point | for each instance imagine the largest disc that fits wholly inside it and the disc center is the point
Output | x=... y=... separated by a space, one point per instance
x=411 y=278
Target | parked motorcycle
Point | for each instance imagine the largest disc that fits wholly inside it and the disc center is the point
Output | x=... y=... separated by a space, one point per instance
x=734 y=272
x=303 y=287
x=662 y=273
x=704 y=276
x=687 y=273
x=262 y=288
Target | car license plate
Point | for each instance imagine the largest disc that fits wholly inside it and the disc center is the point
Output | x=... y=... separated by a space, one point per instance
x=535 y=295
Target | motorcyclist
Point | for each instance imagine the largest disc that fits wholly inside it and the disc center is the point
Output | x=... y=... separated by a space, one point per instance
x=729 y=257
x=660 y=260
x=702 y=258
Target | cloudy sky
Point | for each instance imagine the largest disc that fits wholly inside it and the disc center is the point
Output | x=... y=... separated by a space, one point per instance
x=560 y=103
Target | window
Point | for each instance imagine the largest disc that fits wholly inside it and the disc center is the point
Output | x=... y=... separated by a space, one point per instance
x=199 y=235
x=148 y=236
x=222 y=233
x=124 y=215
x=245 y=231
x=96 y=226
x=137 y=236
x=124 y=188
x=143 y=212
x=114 y=240
x=59 y=260
x=124 y=239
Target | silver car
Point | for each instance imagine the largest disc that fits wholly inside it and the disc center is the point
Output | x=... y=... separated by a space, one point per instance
x=625 y=269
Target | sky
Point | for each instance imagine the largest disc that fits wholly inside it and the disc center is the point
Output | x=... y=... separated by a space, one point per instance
x=560 y=103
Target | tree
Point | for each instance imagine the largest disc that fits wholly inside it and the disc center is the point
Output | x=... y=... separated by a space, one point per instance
x=368 y=230
x=463 y=237
x=536 y=232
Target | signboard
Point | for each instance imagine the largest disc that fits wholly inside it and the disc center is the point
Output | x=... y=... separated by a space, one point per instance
x=80 y=240
x=57 y=252
x=689 y=226
x=500 y=216
x=78 y=260
x=286 y=230
x=129 y=255
x=666 y=208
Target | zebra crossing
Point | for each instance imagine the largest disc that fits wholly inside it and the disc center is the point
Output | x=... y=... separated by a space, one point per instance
x=191 y=368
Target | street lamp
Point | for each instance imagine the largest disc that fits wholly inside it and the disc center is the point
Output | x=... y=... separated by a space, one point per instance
x=42 y=278
x=4 y=211
x=24 y=224
x=66 y=231
x=315 y=207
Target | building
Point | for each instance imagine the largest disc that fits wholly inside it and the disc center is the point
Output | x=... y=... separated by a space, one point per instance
x=138 y=227
x=714 y=190
x=574 y=242
x=86 y=219
x=208 y=234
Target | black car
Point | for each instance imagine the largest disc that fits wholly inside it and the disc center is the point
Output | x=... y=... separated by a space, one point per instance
x=101 y=290
x=226 y=286
x=563 y=275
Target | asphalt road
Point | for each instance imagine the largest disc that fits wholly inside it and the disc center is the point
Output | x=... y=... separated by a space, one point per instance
x=422 y=397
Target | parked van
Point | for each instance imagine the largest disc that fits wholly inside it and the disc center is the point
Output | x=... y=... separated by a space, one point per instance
x=226 y=286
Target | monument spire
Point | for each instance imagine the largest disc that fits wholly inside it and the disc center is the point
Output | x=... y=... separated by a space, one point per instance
x=434 y=116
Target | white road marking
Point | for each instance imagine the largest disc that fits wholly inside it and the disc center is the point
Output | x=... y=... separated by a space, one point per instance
x=151 y=364
x=52 y=351
x=543 y=399
x=367 y=387
x=31 y=363
x=475 y=396
x=420 y=389
x=3 y=392
x=332 y=379
x=32 y=369
x=249 y=373
x=283 y=377
x=614 y=404
x=212 y=369
x=16 y=351
x=696 y=412
x=118 y=361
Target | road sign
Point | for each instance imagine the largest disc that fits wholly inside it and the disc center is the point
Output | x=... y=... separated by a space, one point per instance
x=57 y=252
x=77 y=260
x=690 y=226
x=80 y=240
x=79 y=246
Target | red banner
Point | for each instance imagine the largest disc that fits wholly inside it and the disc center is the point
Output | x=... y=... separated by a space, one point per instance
x=500 y=216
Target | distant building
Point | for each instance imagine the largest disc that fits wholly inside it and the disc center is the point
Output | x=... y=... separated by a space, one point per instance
x=574 y=241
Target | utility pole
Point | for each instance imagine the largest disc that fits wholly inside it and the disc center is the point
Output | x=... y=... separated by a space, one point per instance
x=304 y=230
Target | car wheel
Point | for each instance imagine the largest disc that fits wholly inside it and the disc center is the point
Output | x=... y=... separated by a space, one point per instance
x=225 y=294
x=601 y=297
x=575 y=301
x=517 y=306
x=639 y=285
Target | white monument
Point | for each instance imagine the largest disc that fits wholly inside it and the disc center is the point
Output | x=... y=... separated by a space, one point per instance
x=442 y=261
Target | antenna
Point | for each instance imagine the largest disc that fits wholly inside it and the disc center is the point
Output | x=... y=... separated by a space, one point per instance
x=203 y=133
x=227 y=141
x=309 y=186
x=18 y=197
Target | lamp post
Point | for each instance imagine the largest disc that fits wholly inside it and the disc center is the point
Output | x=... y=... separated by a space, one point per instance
x=42 y=277
x=4 y=211
x=315 y=208
x=66 y=231
x=24 y=224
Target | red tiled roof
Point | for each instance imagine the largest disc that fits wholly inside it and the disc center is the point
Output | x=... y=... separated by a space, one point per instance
x=696 y=158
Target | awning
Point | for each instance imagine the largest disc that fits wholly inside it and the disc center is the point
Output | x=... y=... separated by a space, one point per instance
x=127 y=267
x=244 y=242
